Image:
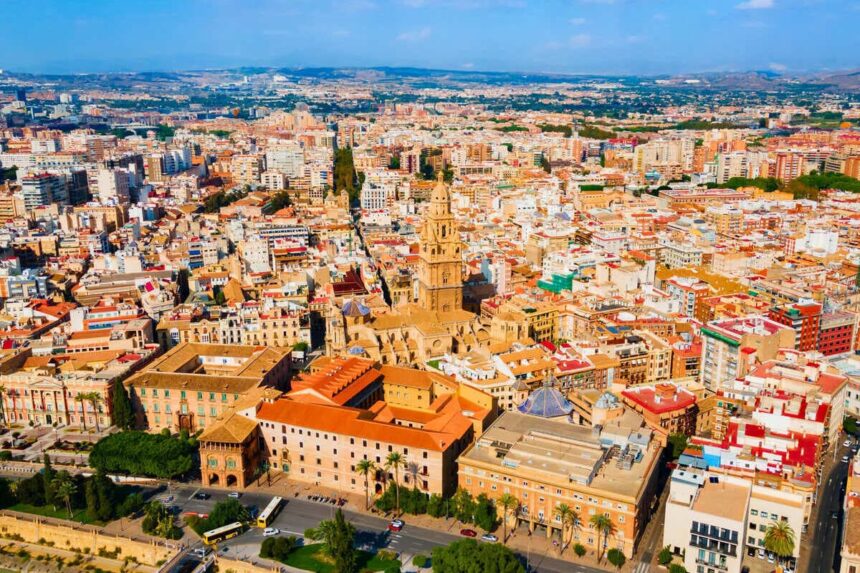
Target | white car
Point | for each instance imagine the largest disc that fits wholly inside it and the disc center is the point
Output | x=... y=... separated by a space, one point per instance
x=844 y=459
x=770 y=558
x=270 y=531
x=234 y=495
x=847 y=443
x=489 y=537
x=200 y=552
x=761 y=553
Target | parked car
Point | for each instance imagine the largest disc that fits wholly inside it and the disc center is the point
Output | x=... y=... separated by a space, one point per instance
x=489 y=537
x=200 y=552
x=395 y=525
x=761 y=553
x=270 y=531
x=234 y=494
x=847 y=443
x=844 y=459
x=770 y=558
x=468 y=533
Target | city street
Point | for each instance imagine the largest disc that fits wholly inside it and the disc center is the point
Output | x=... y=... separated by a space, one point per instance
x=825 y=536
x=299 y=514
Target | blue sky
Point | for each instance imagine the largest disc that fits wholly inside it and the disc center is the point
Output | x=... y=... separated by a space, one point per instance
x=572 y=36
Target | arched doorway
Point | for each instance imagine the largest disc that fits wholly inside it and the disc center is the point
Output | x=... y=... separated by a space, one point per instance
x=213 y=479
x=377 y=488
x=231 y=480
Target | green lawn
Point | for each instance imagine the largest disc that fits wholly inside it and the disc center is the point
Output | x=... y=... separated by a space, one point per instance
x=308 y=558
x=80 y=515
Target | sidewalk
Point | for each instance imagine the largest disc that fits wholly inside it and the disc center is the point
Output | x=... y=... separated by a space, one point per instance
x=534 y=547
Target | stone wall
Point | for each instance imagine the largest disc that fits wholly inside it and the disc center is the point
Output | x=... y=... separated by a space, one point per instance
x=78 y=537
x=236 y=566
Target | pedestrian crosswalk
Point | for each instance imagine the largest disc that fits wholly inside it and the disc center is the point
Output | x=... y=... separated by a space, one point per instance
x=642 y=567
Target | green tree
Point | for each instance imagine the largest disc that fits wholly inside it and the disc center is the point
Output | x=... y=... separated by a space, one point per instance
x=48 y=475
x=345 y=178
x=365 y=468
x=144 y=454
x=509 y=504
x=677 y=445
x=64 y=488
x=467 y=556
x=436 y=506
x=485 y=513
x=604 y=527
x=80 y=397
x=121 y=409
x=665 y=556
x=395 y=460
x=677 y=568
x=395 y=162
x=616 y=557
x=337 y=536
x=579 y=549
x=779 y=539
x=95 y=400
x=569 y=519
x=464 y=506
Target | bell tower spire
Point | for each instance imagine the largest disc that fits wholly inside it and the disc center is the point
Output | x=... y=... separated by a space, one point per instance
x=440 y=266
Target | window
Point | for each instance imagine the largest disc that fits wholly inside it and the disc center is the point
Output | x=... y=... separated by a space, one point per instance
x=753 y=512
x=182 y=394
x=167 y=393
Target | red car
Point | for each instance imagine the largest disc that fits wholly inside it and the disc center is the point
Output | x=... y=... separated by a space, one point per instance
x=468 y=533
x=395 y=525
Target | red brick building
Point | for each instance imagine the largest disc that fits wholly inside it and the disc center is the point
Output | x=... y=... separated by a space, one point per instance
x=836 y=334
x=804 y=318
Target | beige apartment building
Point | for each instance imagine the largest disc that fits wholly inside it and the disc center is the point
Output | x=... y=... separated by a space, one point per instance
x=193 y=384
x=545 y=462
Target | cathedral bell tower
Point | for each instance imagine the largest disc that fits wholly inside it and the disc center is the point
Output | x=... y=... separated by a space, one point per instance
x=440 y=265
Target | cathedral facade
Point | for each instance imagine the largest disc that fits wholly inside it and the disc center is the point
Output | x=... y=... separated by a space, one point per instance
x=436 y=324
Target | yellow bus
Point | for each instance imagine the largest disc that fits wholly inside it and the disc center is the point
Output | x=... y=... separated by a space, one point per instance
x=265 y=518
x=220 y=534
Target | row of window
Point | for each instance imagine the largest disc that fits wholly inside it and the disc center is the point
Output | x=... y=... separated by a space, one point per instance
x=324 y=436
x=183 y=395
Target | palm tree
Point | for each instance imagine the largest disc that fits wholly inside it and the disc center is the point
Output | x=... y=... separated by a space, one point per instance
x=395 y=460
x=779 y=539
x=81 y=397
x=2 y=406
x=65 y=488
x=365 y=468
x=569 y=519
x=508 y=504
x=604 y=526
x=94 y=398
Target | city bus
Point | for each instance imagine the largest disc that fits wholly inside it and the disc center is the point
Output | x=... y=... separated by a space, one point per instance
x=265 y=518
x=226 y=532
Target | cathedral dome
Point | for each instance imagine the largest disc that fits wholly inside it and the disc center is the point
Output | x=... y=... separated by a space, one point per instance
x=546 y=402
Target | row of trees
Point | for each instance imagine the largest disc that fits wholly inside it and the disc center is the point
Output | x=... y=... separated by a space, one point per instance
x=144 y=454
x=98 y=494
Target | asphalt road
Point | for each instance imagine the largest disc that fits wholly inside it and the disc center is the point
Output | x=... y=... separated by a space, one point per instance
x=299 y=514
x=827 y=532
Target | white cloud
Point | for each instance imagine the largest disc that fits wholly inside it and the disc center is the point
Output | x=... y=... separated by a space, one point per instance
x=414 y=35
x=755 y=5
x=579 y=40
x=577 y=21
x=635 y=39
x=777 y=67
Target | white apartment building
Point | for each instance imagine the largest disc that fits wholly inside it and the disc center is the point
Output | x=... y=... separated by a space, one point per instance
x=717 y=521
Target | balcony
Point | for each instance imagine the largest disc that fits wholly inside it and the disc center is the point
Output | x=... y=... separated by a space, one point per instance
x=706 y=563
